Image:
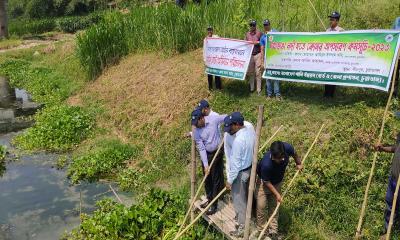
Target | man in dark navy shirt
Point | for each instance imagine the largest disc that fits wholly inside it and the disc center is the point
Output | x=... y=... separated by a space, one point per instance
x=271 y=171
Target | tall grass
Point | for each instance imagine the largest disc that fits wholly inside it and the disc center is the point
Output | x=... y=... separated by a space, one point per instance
x=170 y=29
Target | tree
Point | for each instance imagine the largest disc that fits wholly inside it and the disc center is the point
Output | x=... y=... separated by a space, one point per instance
x=3 y=19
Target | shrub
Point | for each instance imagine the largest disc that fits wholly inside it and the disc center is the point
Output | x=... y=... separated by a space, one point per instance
x=130 y=179
x=57 y=128
x=155 y=217
x=103 y=160
x=76 y=23
x=28 y=26
x=45 y=85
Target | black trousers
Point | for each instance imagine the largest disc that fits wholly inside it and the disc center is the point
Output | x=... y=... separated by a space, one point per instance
x=214 y=183
x=218 y=83
x=329 y=91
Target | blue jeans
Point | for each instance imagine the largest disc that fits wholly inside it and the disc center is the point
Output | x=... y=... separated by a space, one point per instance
x=389 y=201
x=268 y=89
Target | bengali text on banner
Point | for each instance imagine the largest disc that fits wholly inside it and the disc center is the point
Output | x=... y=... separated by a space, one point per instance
x=227 y=57
x=354 y=58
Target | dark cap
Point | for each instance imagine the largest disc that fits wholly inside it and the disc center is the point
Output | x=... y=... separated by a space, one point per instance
x=266 y=22
x=235 y=117
x=253 y=22
x=335 y=15
x=209 y=28
x=203 y=104
x=196 y=115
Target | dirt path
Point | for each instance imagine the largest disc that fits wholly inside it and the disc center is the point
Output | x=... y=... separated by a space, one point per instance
x=30 y=43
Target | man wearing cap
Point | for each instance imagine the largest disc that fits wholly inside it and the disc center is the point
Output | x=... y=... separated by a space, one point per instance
x=270 y=174
x=269 y=91
x=334 y=27
x=204 y=107
x=239 y=165
x=207 y=137
x=218 y=84
x=255 y=65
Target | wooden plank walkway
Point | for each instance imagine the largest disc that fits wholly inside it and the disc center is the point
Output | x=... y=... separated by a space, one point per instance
x=224 y=219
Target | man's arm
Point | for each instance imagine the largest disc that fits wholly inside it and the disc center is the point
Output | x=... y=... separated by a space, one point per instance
x=273 y=190
x=383 y=148
x=201 y=148
x=227 y=149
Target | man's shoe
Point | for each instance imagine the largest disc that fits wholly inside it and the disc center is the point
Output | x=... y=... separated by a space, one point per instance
x=269 y=97
x=212 y=210
x=205 y=204
x=238 y=233
x=279 y=98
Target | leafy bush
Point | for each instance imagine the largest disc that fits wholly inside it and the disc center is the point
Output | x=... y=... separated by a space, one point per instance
x=155 y=217
x=23 y=27
x=103 y=160
x=130 y=179
x=45 y=85
x=103 y=44
x=76 y=23
x=57 y=128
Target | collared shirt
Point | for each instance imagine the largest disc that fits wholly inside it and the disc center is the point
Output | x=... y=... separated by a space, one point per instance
x=270 y=171
x=208 y=137
x=263 y=39
x=254 y=37
x=239 y=150
x=336 y=29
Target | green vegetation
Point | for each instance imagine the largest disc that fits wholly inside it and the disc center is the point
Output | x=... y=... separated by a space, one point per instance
x=101 y=161
x=170 y=29
x=154 y=218
x=53 y=8
x=25 y=26
x=3 y=152
x=57 y=128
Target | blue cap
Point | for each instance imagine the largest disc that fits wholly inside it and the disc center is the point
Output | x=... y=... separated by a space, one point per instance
x=253 y=22
x=266 y=22
x=396 y=25
x=203 y=104
x=235 y=117
x=335 y=15
x=196 y=115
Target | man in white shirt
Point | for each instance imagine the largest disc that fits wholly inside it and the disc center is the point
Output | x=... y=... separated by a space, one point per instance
x=334 y=27
x=240 y=155
x=218 y=83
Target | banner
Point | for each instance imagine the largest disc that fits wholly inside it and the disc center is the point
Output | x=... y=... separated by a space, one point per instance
x=227 y=57
x=353 y=58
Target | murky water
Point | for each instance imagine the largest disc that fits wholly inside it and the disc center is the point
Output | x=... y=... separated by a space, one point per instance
x=37 y=201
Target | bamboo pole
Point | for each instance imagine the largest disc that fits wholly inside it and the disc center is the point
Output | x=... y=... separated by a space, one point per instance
x=316 y=13
x=200 y=186
x=253 y=173
x=290 y=184
x=396 y=192
x=365 y=201
x=201 y=214
x=115 y=194
x=193 y=174
x=269 y=140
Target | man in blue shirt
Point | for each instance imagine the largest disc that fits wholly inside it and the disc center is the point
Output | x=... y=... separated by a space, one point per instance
x=239 y=165
x=270 y=172
x=207 y=136
x=263 y=42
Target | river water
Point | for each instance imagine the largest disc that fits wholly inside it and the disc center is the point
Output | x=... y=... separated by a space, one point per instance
x=38 y=202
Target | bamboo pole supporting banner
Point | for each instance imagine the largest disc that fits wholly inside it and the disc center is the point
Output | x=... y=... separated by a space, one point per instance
x=316 y=13
x=253 y=172
x=290 y=184
x=193 y=199
x=199 y=216
x=371 y=173
x=396 y=192
x=193 y=172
